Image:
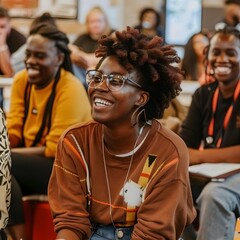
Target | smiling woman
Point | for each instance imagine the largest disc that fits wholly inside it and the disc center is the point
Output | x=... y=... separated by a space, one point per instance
x=121 y=167
x=46 y=98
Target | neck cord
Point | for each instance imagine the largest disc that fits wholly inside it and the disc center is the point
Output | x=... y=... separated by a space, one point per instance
x=132 y=151
x=106 y=173
x=227 y=115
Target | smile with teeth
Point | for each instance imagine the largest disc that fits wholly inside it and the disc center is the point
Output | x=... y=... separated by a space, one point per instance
x=32 y=72
x=223 y=70
x=101 y=102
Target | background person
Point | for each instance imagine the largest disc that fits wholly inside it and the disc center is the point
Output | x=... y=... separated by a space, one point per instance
x=211 y=132
x=83 y=48
x=231 y=15
x=17 y=58
x=124 y=173
x=46 y=98
x=149 y=22
x=193 y=59
x=10 y=41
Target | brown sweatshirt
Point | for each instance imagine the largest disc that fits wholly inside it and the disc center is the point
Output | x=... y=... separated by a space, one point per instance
x=156 y=199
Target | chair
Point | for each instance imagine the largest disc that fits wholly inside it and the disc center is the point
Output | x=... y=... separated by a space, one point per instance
x=39 y=222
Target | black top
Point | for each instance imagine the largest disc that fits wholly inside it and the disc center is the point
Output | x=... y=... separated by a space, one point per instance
x=15 y=40
x=86 y=43
x=195 y=126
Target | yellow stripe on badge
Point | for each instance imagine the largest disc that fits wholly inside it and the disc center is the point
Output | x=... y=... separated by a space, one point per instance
x=143 y=180
x=147 y=169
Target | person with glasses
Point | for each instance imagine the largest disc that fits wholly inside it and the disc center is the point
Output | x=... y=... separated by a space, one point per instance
x=211 y=132
x=124 y=175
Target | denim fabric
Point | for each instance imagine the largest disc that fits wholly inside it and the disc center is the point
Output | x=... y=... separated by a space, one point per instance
x=101 y=232
x=219 y=205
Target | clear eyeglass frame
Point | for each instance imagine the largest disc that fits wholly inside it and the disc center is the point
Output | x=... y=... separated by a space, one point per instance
x=114 y=81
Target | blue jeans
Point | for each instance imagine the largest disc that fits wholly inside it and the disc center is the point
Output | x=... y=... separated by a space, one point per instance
x=101 y=232
x=219 y=205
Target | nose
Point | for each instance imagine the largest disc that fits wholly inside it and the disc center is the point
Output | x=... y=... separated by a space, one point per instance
x=30 y=59
x=222 y=57
x=103 y=84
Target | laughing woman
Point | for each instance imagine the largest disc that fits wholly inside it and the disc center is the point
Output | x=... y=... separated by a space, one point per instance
x=46 y=99
x=124 y=175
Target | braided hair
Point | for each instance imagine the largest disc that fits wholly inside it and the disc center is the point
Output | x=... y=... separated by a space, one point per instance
x=227 y=30
x=151 y=60
x=61 y=41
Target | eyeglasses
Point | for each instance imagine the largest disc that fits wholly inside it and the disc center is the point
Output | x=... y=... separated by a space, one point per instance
x=114 y=81
x=221 y=25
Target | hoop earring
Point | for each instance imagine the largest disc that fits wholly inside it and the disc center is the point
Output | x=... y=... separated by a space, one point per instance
x=136 y=116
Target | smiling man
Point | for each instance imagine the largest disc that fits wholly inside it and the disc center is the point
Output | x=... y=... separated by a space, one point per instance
x=211 y=132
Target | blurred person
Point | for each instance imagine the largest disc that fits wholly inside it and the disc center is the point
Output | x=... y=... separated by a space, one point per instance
x=211 y=131
x=46 y=98
x=174 y=115
x=83 y=48
x=10 y=41
x=17 y=58
x=193 y=60
x=149 y=22
x=124 y=175
x=5 y=176
x=231 y=15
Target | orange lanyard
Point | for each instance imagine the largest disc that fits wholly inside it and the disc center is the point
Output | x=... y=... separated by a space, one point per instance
x=227 y=116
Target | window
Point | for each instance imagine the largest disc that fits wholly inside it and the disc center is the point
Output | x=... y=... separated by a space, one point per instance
x=183 y=19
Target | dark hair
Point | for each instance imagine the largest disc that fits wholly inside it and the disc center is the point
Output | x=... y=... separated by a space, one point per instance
x=44 y=18
x=60 y=38
x=4 y=13
x=189 y=66
x=227 y=30
x=61 y=42
x=232 y=2
x=145 y=10
x=152 y=62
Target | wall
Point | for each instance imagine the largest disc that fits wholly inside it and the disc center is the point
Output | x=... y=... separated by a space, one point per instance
x=121 y=13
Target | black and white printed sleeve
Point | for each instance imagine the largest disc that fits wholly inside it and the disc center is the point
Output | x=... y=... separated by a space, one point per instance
x=5 y=177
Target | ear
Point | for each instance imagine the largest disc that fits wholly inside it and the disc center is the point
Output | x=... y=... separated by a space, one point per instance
x=143 y=98
x=60 y=59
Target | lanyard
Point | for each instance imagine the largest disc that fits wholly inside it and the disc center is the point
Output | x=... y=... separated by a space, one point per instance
x=227 y=116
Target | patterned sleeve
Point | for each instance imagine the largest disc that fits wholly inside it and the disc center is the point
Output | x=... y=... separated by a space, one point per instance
x=5 y=177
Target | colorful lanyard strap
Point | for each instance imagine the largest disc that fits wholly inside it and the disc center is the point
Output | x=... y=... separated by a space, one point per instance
x=227 y=116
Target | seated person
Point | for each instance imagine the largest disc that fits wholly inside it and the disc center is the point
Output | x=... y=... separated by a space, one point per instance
x=84 y=46
x=231 y=15
x=211 y=131
x=124 y=175
x=149 y=22
x=193 y=60
x=5 y=176
x=46 y=98
x=10 y=41
x=17 y=58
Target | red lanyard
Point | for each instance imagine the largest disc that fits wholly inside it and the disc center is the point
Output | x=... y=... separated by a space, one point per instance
x=227 y=116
